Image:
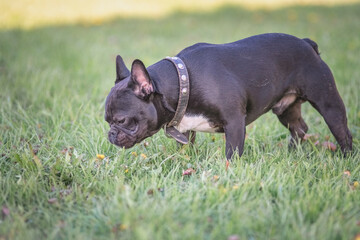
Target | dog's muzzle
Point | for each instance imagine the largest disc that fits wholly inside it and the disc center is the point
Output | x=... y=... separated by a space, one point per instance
x=122 y=137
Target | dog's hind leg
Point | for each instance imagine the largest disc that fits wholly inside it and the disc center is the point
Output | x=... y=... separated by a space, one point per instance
x=324 y=97
x=291 y=119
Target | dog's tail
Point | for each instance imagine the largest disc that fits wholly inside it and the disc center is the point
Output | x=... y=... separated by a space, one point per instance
x=312 y=44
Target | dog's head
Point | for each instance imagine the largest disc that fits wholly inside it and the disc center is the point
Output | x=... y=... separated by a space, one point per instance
x=129 y=108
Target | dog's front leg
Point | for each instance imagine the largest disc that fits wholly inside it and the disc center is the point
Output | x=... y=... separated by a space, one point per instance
x=235 y=135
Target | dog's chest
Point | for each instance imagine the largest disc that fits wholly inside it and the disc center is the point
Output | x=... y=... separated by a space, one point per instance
x=196 y=123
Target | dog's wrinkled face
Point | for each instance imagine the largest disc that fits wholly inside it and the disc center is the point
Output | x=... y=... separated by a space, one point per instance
x=128 y=109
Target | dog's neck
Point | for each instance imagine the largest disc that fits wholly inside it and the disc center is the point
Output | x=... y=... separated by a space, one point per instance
x=166 y=84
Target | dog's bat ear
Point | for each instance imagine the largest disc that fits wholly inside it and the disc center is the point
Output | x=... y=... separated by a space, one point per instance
x=141 y=82
x=121 y=70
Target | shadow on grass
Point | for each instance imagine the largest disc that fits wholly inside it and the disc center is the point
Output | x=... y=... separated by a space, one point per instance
x=163 y=36
x=156 y=38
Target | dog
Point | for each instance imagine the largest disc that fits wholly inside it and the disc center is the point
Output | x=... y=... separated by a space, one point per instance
x=228 y=87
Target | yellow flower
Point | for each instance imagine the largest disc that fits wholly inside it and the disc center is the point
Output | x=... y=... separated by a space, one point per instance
x=126 y=170
x=100 y=156
x=134 y=154
x=235 y=187
x=223 y=189
x=123 y=227
x=356 y=184
x=143 y=155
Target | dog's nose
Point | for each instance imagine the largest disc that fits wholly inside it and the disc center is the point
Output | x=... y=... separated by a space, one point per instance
x=112 y=136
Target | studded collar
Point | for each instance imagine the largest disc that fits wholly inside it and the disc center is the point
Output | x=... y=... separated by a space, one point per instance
x=184 y=94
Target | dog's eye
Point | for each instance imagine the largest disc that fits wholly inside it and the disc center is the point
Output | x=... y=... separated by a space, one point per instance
x=120 y=120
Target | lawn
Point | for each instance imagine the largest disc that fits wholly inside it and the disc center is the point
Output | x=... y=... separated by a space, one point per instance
x=54 y=185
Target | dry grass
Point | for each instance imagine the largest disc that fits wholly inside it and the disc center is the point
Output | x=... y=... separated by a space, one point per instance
x=34 y=13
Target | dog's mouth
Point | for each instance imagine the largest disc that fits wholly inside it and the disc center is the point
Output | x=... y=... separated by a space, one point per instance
x=123 y=137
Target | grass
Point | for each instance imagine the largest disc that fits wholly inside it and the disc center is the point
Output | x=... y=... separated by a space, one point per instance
x=53 y=84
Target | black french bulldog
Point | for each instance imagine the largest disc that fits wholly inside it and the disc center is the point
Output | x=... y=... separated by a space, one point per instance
x=231 y=85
